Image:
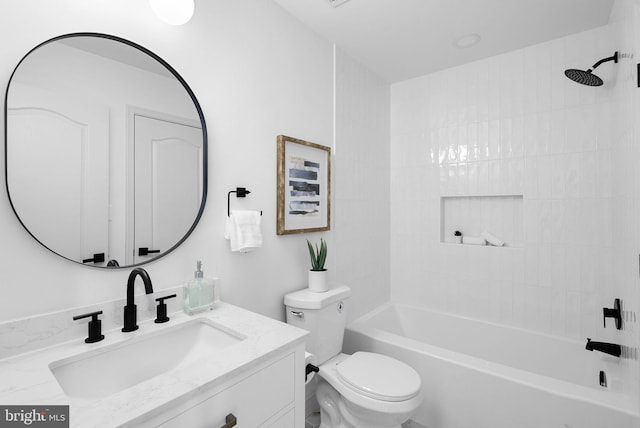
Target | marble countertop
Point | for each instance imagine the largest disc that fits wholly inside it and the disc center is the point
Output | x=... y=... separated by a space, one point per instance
x=26 y=379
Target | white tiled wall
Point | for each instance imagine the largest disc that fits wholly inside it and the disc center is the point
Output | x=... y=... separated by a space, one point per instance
x=510 y=124
x=514 y=124
x=625 y=191
x=361 y=174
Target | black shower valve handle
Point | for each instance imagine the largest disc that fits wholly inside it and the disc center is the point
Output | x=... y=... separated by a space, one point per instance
x=615 y=313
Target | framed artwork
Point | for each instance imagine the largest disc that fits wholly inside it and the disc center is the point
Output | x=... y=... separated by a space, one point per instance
x=304 y=186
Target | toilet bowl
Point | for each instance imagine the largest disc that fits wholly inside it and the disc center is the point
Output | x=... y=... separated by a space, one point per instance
x=367 y=390
x=363 y=390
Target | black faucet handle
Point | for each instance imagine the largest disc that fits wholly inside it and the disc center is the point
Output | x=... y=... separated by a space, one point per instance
x=161 y=309
x=615 y=313
x=95 y=326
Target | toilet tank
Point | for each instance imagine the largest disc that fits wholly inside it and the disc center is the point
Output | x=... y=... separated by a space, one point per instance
x=324 y=315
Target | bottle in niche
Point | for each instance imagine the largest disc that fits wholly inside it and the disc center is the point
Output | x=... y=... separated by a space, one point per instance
x=199 y=292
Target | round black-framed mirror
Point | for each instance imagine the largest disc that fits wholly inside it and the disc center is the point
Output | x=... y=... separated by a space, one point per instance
x=105 y=150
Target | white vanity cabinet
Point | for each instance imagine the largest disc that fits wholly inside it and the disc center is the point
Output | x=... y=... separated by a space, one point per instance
x=258 y=377
x=270 y=395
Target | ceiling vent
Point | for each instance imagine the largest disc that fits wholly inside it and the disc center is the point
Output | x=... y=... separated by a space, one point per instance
x=336 y=3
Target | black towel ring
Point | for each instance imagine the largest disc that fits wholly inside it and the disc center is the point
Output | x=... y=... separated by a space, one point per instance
x=240 y=192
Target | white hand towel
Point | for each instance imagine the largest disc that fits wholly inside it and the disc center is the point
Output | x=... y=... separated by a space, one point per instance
x=474 y=240
x=492 y=240
x=243 y=231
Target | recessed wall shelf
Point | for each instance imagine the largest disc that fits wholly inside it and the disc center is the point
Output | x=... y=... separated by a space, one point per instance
x=500 y=215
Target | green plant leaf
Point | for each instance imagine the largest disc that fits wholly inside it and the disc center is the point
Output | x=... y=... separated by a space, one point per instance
x=312 y=255
x=322 y=254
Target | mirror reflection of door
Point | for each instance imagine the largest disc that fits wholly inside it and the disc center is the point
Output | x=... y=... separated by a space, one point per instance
x=62 y=192
x=168 y=182
x=69 y=145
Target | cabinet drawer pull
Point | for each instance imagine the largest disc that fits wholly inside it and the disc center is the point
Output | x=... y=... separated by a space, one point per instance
x=230 y=420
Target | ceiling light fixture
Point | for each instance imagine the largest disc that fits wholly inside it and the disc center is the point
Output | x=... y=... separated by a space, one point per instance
x=174 y=12
x=466 y=41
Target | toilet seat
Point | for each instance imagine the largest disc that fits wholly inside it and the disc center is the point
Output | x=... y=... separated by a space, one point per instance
x=379 y=377
x=355 y=398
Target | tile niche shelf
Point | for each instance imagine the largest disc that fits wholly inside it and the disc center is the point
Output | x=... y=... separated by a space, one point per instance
x=500 y=215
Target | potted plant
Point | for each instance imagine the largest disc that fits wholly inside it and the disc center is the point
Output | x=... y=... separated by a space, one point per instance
x=318 y=274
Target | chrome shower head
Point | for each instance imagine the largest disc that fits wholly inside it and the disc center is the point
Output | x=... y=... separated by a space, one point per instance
x=587 y=77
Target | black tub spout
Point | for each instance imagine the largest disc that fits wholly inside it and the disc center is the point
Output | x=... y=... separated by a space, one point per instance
x=607 y=348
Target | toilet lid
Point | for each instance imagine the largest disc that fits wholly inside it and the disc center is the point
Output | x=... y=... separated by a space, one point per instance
x=380 y=377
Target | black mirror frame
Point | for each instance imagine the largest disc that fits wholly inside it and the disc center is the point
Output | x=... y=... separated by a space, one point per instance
x=205 y=156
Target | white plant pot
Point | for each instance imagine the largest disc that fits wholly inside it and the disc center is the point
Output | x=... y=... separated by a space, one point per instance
x=318 y=281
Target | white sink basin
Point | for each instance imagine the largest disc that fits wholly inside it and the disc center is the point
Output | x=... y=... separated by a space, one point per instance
x=116 y=367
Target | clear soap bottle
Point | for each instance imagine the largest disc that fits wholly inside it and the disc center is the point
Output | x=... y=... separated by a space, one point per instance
x=198 y=293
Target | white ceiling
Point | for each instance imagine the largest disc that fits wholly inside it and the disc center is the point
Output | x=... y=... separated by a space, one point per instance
x=119 y=52
x=401 y=39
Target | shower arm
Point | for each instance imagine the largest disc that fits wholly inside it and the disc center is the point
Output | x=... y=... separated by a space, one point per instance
x=613 y=58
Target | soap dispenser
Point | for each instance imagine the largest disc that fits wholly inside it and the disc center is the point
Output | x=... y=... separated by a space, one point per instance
x=199 y=292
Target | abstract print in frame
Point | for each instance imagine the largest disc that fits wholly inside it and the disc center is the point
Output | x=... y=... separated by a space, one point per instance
x=304 y=186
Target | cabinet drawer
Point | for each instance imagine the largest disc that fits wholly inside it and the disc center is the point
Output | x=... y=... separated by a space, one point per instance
x=252 y=400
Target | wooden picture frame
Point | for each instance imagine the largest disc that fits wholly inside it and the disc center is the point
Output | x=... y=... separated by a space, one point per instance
x=304 y=186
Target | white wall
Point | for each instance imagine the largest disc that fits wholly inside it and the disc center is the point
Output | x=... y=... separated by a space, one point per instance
x=257 y=73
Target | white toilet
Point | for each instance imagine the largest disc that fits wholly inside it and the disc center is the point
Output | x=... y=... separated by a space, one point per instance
x=363 y=390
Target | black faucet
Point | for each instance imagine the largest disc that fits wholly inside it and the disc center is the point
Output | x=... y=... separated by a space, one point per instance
x=130 y=310
x=607 y=348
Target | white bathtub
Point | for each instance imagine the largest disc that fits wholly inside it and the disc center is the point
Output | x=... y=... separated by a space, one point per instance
x=482 y=375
